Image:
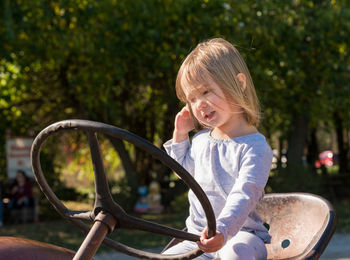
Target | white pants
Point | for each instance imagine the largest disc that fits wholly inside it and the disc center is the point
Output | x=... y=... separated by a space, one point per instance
x=244 y=246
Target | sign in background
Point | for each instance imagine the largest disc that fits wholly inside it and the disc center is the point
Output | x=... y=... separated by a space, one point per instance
x=18 y=156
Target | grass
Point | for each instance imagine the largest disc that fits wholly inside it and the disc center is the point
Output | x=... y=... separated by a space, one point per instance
x=342 y=209
x=60 y=232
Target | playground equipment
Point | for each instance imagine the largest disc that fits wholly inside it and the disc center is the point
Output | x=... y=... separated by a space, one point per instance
x=301 y=224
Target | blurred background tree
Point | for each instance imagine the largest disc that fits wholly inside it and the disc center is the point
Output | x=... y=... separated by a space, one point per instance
x=116 y=62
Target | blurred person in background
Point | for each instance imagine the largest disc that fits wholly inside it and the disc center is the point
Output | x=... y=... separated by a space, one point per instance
x=21 y=197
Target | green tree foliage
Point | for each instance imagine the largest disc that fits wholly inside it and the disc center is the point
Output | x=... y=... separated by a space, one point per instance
x=116 y=62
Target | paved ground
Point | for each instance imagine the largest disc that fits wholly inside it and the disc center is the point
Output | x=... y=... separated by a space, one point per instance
x=118 y=256
x=337 y=249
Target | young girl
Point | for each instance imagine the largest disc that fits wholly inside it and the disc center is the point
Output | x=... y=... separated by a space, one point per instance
x=229 y=158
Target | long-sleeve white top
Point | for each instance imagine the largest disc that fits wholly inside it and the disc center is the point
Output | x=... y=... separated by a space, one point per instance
x=233 y=173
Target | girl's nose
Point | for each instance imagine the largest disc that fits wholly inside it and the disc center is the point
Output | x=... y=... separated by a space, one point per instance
x=201 y=103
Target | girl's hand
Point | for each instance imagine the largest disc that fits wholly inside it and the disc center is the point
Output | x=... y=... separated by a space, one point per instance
x=212 y=244
x=183 y=125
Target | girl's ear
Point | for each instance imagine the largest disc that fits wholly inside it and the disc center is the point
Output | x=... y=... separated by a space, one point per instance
x=242 y=80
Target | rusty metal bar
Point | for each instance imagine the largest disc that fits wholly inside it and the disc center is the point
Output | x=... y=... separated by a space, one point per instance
x=104 y=224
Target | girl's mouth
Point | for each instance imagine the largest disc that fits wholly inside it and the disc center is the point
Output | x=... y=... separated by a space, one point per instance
x=208 y=117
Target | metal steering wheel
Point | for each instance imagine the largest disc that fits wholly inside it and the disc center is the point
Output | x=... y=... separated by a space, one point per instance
x=104 y=204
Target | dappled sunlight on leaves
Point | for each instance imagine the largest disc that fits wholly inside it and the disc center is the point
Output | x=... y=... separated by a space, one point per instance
x=75 y=165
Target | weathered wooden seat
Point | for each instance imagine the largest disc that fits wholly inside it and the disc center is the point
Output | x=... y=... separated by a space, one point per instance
x=300 y=224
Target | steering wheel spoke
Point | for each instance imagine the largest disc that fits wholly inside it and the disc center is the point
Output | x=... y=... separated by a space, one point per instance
x=103 y=199
x=84 y=215
x=141 y=224
x=101 y=184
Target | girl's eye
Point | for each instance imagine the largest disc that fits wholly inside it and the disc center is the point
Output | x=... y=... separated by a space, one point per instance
x=192 y=100
x=205 y=92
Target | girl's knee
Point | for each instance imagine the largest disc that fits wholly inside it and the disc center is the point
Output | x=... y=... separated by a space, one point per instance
x=244 y=246
x=239 y=251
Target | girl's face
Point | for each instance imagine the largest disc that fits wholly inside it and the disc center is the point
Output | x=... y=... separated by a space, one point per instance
x=210 y=106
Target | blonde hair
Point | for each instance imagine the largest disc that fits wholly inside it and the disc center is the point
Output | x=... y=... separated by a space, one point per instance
x=221 y=61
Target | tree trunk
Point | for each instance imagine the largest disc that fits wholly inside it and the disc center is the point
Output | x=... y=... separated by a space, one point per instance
x=342 y=146
x=130 y=171
x=297 y=140
x=312 y=149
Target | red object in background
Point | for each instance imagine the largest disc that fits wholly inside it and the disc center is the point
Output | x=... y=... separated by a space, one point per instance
x=325 y=158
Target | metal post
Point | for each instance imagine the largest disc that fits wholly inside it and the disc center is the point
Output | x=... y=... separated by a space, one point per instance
x=104 y=224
